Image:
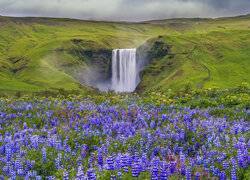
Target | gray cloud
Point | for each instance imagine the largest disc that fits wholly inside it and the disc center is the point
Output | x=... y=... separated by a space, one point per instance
x=132 y=10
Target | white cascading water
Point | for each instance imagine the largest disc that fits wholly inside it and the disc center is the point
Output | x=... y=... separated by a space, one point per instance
x=124 y=70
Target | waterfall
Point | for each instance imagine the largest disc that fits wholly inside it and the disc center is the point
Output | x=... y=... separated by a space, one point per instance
x=124 y=70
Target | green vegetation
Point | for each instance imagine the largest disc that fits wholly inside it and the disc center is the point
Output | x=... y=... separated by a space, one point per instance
x=214 y=59
x=47 y=54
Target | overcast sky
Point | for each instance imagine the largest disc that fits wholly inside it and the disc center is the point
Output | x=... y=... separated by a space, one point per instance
x=124 y=10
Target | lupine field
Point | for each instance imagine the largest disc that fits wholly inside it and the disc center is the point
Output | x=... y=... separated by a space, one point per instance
x=202 y=134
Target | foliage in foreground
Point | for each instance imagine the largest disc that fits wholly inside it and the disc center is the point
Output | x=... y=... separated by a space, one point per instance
x=191 y=135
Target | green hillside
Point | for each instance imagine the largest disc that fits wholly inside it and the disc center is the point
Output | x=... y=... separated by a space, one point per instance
x=214 y=59
x=38 y=54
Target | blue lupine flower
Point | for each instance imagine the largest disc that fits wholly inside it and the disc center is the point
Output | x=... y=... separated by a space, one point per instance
x=225 y=165
x=65 y=175
x=110 y=163
x=197 y=176
x=125 y=169
x=223 y=175
x=233 y=175
x=188 y=173
x=112 y=177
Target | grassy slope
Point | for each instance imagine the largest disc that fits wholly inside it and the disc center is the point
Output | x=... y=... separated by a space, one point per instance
x=35 y=41
x=214 y=59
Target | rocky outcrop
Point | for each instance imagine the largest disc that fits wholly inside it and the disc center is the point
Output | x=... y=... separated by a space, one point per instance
x=17 y=64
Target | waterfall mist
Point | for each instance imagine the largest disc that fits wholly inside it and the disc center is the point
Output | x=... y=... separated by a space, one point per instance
x=92 y=77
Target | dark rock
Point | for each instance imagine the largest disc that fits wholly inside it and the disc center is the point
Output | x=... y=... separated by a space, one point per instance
x=16 y=70
x=171 y=56
x=88 y=53
x=170 y=63
x=159 y=50
x=59 y=50
x=76 y=40
x=14 y=60
x=17 y=64
x=221 y=27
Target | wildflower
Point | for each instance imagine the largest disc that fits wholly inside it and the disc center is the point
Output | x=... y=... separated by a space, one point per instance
x=197 y=176
x=188 y=173
x=225 y=165
x=233 y=174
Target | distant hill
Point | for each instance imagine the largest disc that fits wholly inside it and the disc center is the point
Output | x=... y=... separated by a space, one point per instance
x=38 y=54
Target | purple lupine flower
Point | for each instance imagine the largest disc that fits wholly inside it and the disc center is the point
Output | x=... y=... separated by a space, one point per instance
x=197 y=176
x=183 y=170
x=20 y=172
x=65 y=175
x=172 y=167
x=58 y=161
x=233 y=174
x=223 y=175
x=32 y=163
x=38 y=178
x=119 y=175
x=135 y=170
x=225 y=165
x=125 y=169
x=234 y=163
x=24 y=125
x=112 y=177
x=163 y=173
x=188 y=173
x=91 y=160
x=110 y=163
x=80 y=173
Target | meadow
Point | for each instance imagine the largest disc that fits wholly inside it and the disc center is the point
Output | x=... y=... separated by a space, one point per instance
x=198 y=134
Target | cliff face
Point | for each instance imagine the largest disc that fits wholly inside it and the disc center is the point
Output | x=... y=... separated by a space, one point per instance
x=149 y=55
x=97 y=61
x=90 y=64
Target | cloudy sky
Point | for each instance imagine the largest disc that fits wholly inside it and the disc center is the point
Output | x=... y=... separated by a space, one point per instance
x=124 y=10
